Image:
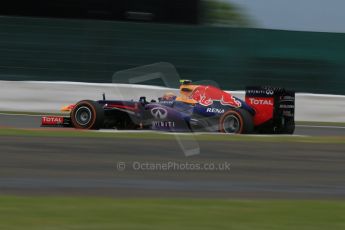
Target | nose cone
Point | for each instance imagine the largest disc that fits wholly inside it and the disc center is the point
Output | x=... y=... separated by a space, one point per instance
x=67 y=108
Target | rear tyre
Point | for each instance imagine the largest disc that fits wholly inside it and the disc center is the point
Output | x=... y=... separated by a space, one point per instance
x=289 y=127
x=236 y=121
x=87 y=114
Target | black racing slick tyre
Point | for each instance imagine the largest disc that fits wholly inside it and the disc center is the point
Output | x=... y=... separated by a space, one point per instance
x=289 y=127
x=236 y=121
x=87 y=114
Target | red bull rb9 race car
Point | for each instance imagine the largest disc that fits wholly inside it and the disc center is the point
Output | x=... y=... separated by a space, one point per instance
x=197 y=108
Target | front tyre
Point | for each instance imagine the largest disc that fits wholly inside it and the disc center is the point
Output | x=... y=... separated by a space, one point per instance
x=87 y=114
x=236 y=121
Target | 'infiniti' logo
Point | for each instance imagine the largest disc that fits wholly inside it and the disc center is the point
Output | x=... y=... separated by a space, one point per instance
x=269 y=92
x=159 y=113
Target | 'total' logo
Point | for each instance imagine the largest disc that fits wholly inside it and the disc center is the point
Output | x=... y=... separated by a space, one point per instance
x=52 y=120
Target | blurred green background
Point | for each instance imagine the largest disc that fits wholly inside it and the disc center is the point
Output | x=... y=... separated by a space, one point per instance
x=92 y=50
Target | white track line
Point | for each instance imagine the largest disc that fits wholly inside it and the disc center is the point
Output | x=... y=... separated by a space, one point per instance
x=321 y=126
x=191 y=133
x=22 y=114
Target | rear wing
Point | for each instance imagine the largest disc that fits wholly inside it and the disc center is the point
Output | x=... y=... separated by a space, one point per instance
x=274 y=108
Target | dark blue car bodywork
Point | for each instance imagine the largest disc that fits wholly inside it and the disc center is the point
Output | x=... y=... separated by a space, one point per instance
x=169 y=115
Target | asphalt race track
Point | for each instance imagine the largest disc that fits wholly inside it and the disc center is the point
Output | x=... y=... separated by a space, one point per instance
x=110 y=167
x=84 y=166
x=34 y=121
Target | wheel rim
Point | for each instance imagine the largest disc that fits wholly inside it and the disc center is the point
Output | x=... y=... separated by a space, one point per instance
x=83 y=115
x=231 y=124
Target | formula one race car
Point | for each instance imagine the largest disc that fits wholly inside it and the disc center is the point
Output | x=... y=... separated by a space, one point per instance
x=198 y=108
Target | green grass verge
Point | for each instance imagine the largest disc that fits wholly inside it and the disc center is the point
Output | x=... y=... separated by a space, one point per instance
x=54 y=213
x=166 y=136
x=32 y=113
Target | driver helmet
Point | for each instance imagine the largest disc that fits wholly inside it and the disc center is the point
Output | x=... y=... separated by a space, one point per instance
x=169 y=96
